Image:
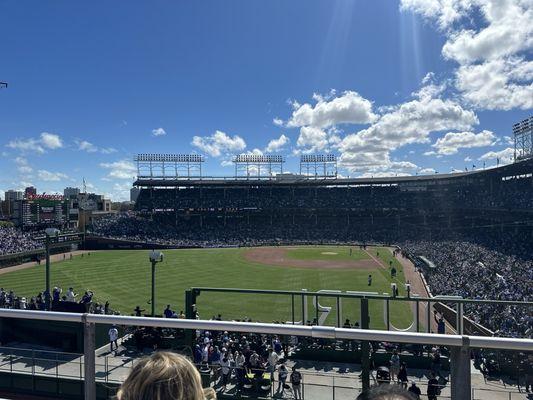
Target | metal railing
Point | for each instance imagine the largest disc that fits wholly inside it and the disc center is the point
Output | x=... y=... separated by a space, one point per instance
x=459 y=345
x=113 y=371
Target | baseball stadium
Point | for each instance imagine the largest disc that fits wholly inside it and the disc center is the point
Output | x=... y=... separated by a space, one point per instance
x=282 y=261
x=266 y=200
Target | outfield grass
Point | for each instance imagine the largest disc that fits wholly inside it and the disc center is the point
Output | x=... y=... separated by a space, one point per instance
x=123 y=278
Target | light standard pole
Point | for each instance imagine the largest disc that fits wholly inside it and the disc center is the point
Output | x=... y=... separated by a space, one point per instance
x=49 y=232
x=155 y=257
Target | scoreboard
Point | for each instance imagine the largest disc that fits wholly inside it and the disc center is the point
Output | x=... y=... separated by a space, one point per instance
x=42 y=211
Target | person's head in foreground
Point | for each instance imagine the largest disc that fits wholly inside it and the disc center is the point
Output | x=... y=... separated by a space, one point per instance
x=164 y=376
x=386 y=392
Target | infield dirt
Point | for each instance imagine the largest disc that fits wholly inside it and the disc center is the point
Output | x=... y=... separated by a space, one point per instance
x=278 y=256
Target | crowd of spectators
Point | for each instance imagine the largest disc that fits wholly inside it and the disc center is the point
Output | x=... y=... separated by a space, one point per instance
x=478 y=272
x=511 y=194
x=59 y=301
x=13 y=240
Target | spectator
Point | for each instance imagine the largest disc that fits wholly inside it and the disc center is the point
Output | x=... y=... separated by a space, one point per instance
x=225 y=369
x=272 y=361
x=168 y=312
x=415 y=390
x=240 y=360
x=529 y=373
x=433 y=387
x=113 y=338
x=282 y=378
x=164 y=376
x=402 y=376
x=441 y=326
x=296 y=382
x=386 y=392
x=394 y=365
x=71 y=296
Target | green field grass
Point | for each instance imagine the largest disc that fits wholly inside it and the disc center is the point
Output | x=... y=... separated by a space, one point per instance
x=123 y=278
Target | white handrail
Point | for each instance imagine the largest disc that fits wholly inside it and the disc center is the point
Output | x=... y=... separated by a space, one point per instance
x=324 y=332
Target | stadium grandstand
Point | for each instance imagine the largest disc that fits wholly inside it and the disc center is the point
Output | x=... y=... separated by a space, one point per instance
x=480 y=205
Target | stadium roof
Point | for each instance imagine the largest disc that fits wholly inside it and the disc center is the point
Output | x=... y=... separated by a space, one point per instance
x=518 y=168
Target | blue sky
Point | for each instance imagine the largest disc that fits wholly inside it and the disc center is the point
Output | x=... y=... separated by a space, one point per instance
x=391 y=87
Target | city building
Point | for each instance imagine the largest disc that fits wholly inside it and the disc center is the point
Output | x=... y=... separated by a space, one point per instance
x=11 y=196
x=84 y=206
x=29 y=192
x=14 y=195
x=69 y=192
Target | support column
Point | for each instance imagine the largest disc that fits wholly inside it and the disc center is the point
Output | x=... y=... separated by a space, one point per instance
x=428 y=317
x=89 y=386
x=48 y=294
x=461 y=386
x=459 y=318
x=417 y=316
x=365 y=347
x=190 y=304
x=387 y=313
x=153 y=288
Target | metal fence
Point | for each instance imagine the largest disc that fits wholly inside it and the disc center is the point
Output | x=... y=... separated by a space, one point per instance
x=460 y=382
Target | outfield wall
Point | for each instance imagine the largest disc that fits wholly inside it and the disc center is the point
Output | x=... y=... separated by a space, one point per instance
x=101 y=243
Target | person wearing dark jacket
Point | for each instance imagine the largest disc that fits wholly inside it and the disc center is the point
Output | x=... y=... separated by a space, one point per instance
x=433 y=387
x=415 y=390
x=402 y=376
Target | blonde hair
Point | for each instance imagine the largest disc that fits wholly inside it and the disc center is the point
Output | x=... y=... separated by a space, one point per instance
x=164 y=376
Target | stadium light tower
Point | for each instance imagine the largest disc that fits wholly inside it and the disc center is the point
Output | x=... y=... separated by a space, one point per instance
x=155 y=257
x=50 y=233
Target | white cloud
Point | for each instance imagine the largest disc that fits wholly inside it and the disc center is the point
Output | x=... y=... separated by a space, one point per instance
x=48 y=176
x=453 y=141
x=51 y=140
x=349 y=108
x=498 y=84
x=158 y=132
x=84 y=145
x=490 y=41
x=507 y=31
x=219 y=143
x=312 y=140
x=87 y=146
x=508 y=140
x=383 y=174
x=121 y=192
x=107 y=150
x=277 y=144
x=407 y=123
x=277 y=121
x=468 y=159
x=426 y=171
x=46 y=141
x=28 y=145
x=505 y=156
x=22 y=165
x=446 y=12
x=122 y=169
